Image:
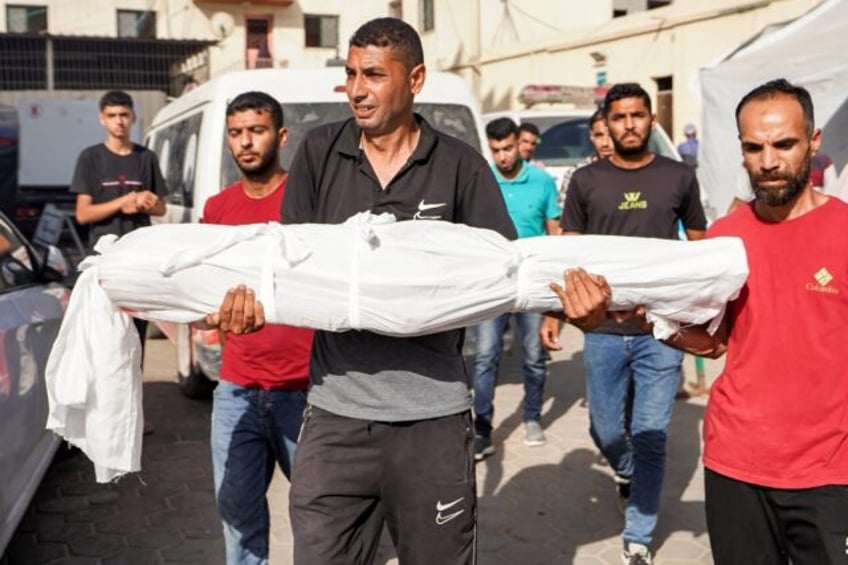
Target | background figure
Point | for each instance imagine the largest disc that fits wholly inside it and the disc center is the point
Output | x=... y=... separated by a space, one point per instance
x=823 y=173
x=633 y=193
x=530 y=196
x=689 y=149
x=258 y=405
x=776 y=465
x=529 y=139
x=602 y=143
x=118 y=183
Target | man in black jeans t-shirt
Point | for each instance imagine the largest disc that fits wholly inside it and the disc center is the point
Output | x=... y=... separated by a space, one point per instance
x=635 y=193
x=118 y=183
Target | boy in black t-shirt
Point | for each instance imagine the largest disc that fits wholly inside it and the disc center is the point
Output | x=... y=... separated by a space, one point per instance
x=118 y=183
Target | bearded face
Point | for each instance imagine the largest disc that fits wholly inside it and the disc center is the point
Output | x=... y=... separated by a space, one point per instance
x=781 y=188
x=254 y=141
x=777 y=147
x=630 y=122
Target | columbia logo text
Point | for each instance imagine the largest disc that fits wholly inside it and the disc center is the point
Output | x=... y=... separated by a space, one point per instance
x=823 y=279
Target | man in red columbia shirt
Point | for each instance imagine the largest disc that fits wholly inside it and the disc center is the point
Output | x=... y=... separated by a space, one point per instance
x=776 y=428
x=259 y=402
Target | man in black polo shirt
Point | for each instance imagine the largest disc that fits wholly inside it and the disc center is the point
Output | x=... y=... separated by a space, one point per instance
x=387 y=435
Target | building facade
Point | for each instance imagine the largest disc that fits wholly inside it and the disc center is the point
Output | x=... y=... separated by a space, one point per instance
x=499 y=46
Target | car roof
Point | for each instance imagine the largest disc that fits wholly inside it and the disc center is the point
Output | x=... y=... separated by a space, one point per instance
x=528 y=114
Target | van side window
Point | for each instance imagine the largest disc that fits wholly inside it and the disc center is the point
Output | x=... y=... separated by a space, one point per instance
x=453 y=119
x=176 y=146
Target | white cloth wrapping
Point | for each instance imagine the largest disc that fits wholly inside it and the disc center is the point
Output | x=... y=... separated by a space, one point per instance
x=371 y=273
x=93 y=379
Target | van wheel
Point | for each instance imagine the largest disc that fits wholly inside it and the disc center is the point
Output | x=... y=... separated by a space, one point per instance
x=191 y=380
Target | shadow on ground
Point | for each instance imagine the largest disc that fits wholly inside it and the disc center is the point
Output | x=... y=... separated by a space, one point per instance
x=165 y=514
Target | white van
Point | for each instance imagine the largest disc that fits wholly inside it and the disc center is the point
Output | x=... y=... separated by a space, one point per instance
x=188 y=135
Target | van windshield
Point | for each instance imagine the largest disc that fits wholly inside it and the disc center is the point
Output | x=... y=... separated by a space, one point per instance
x=567 y=143
x=453 y=119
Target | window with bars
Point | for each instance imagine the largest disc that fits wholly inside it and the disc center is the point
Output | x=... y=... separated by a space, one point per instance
x=84 y=63
x=321 y=31
x=137 y=23
x=26 y=19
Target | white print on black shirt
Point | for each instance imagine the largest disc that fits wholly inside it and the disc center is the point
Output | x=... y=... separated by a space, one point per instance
x=422 y=207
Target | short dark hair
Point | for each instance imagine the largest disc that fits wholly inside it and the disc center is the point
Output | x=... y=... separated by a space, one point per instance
x=597 y=116
x=779 y=87
x=259 y=101
x=394 y=33
x=116 y=98
x=625 y=90
x=529 y=127
x=501 y=128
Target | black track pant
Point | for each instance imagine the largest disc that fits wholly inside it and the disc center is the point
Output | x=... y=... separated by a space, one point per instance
x=754 y=525
x=351 y=476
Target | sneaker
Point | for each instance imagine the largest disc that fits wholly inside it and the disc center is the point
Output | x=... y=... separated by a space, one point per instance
x=482 y=447
x=533 y=434
x=636 y=554
x=622 y=485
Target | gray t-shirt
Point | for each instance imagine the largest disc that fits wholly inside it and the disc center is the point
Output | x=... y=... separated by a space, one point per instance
x=105 y=175
x=365 y=375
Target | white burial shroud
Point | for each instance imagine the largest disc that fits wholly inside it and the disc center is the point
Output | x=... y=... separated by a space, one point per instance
x=370 y=273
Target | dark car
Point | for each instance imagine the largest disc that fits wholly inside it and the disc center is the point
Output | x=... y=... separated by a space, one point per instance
x=33 y=299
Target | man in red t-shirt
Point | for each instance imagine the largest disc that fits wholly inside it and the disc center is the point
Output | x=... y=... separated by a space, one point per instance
x=259 y=402
x=776 y=427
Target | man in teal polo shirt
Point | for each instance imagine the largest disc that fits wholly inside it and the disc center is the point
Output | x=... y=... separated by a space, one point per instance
x=530 y=195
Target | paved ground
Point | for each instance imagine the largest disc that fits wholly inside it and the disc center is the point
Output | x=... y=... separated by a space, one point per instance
x=549 y=504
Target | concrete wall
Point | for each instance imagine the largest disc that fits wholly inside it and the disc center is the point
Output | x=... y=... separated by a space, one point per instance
x=675 y=41
x=288 y=38
x=90 y=17
x=190 y=19
x=497 y=46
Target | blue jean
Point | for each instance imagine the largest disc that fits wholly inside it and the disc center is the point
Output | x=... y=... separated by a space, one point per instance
x=633 y=442
x=486 y=363
x=252 y=430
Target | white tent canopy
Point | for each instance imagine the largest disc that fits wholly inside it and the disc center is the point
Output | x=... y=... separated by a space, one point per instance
x=810 y=51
